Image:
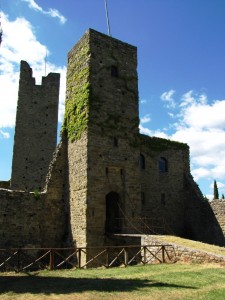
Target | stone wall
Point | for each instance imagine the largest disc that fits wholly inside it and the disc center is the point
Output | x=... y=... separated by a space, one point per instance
x=75 y=128
x=179 y=253
x=34 y=219
x=35 y=131
x=201 y=223
x=218 y=207
x=113 y=171
x=163 y=189
x=5 y=184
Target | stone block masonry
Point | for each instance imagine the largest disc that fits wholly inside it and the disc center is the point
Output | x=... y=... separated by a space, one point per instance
x=36 y=129
x=218 y=207
x=105 y=178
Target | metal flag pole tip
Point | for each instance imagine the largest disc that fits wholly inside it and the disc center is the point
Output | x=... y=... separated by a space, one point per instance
x=1 y=31
x=107 y=17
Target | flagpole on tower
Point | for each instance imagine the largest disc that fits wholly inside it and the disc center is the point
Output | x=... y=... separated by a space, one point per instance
x=107 y=17
x=1 y=31
x=46 y=54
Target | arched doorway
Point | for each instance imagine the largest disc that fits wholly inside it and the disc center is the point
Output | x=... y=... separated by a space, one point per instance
x=112 y=221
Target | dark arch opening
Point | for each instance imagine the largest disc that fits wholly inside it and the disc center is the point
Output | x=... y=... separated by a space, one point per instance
x=112 y=221
x=142 y=161
x=163 y=165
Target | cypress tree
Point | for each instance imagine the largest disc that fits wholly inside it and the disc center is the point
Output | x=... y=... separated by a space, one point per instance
x=215 y=191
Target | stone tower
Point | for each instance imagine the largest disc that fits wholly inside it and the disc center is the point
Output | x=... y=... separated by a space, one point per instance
x=101 y=121
x=36 y=129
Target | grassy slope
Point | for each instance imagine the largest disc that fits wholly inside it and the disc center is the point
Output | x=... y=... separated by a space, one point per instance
x=192 y=244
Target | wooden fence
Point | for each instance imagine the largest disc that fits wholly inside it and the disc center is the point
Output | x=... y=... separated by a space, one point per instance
x=31 y=259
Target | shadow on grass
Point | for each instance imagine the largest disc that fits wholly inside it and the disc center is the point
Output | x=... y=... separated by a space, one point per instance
x=63 y=285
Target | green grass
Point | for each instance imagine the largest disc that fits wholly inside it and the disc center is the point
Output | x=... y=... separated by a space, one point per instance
x=165 y=281
x=192 y=244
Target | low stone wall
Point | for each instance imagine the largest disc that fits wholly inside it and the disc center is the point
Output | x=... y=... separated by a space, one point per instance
x=178 y=253
x=30 y=220
x=218 y=207
x=5 y=184
x=20 y=218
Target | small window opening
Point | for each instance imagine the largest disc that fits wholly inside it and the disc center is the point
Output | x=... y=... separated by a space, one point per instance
x=163 y=199
x=106 y=171
x=142 y=161
x=114 y=71
x=121 y=172
x=115 y=142
x=142 y=198
x=163 y=165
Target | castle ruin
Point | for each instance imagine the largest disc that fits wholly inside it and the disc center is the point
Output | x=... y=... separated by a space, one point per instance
x=104 y=180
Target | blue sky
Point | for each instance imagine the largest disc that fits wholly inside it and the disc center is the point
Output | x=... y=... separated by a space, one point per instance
x=181 y=67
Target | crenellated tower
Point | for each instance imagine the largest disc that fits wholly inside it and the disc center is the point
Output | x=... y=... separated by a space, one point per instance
x=36 y=129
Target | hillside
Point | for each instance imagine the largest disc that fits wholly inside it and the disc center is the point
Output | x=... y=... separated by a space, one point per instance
x=191 y=244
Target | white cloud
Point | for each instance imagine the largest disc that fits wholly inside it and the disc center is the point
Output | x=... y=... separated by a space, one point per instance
x=145 y=131
x=145 y=119
x=168 y=98
x=219 y=185
x=4 y=135
x=202 y=126
x=22 y=46
x=54 y=13
x=32 y=4
x=143 y=101
x=187 y=99
x=202 y=115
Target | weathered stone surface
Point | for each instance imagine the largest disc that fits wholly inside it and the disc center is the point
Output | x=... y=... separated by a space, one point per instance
x=104 y=177
x=178 y=253
x=218 y=207
x=36 y=129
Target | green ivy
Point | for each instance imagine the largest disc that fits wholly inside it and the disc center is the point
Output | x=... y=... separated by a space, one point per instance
x=159 y=144
x=37 y=193
x=78 y=94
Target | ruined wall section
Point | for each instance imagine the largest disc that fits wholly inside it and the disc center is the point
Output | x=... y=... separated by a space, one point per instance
x=35 y=131
x=34 y=219
x=56 y=231
x=218 y=207
x=201 y=221
x=162 y=188
x=20 y=219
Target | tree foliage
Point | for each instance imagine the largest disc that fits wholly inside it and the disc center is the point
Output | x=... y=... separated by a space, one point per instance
x=215 y=191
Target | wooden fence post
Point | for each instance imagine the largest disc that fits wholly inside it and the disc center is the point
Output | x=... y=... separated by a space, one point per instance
x=51 y=260
x=163 y=253
x=145 y=258
x=79 y=258
x=18 y=260
x=107 y=257
x=125 y=256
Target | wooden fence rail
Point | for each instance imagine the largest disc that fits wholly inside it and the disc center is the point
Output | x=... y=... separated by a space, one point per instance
x=31 y=259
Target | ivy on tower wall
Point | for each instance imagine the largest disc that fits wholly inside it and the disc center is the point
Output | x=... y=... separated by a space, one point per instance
x=78 y=91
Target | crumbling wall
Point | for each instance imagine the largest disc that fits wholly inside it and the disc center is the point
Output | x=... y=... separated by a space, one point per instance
x=37 y=219
x=201 y=223
x=218 y=207
x=35 y=131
